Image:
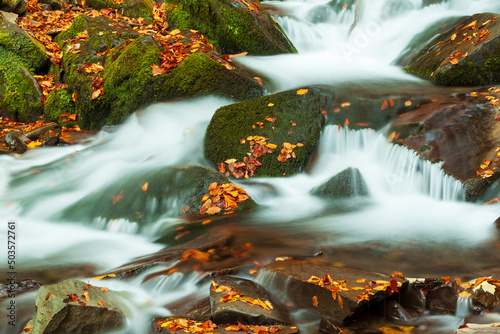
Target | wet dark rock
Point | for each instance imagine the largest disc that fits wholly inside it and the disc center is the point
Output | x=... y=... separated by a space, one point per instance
x=63 y=308
x=413 y=296
x=459 y=129
x=17 y=288
x=17 y=141
x=485 y=297
x=326 y=327
x=15 y=6
x=398 y=314
x=454 y=59
x=442 y=300
x=347 y=304
x=239 y=311
x=291 y=118
x=348 y=183
x=217 y=329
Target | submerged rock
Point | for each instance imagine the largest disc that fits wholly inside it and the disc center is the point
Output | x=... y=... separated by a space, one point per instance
x=273 y=135
x=147 y=196
x=348 y=183
x=466 y=54
x=76 y=307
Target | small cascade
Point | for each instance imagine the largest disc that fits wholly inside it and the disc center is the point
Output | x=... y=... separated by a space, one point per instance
x=404 y=172
x=464 y=307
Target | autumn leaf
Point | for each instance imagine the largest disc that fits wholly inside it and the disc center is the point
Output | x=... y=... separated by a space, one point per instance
x=195 y=254
x=408 y=103
x=117 y=198
x=384 y=105
x=186 y=209
x=86 y=296
x=259 y=81
x=302 y=91
x=145 y=186
x=454 y=61
x=27 y=328
x=315 y=301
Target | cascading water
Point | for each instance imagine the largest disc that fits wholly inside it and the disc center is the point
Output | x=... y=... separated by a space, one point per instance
x=411 y=202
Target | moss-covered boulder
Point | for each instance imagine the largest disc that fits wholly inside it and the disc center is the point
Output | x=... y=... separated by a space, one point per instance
x=231 y=26
x=76 y=307
x=170 y=192
x=108 y=70
x=466 y=54
x=30 y=51
x=273 y=135
x=130 y=84
x=348 y=183
x=130 y=8
x=87 y=42
x=20 y=95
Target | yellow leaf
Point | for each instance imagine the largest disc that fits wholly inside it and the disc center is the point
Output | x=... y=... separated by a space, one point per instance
x=464 y=294
x=408 y=103
x=101 y=304
x=454 y=61
x=144 y=186
x=302 y=91
x=175 y=32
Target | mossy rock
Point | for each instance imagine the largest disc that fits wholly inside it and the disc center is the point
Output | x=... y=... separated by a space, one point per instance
x=31 y=52
x=130 y=85
x=298 y=119
x=231 y=26
x=102 y=35
x=14 y=6
x=168 y=192
x=456 y=59
x=346 y=184
x=20 y=95
x=59 y=102
x=130 y=8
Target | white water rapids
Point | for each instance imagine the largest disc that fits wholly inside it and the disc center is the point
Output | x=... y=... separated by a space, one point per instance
x=411 y=201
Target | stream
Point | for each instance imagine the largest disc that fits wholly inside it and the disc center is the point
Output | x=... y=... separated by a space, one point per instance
x=415 y=219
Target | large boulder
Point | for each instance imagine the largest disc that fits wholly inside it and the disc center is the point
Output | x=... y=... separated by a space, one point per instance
x=339 y=294
x=348 y=183
x=233 y=26
x=459 y=129
x=109 y=70
x=15 y=6
x=273 y=135
x=468 y=53
x=76 y=307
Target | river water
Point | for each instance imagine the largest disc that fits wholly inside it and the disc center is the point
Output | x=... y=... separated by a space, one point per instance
x=415 y=219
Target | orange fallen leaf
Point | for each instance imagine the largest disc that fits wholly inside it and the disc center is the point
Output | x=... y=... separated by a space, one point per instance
x=100 y=303
x=86 y=296
x=302 y=91
x=144 y=186
x=28 y=328
x=384 y=105
x=186 y=209
x=118 y=197
x=315 y=301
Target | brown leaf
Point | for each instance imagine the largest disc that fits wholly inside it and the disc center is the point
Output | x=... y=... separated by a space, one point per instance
x=315 y=301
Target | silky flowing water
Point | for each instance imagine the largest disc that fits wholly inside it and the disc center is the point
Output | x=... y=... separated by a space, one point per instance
x=415 y=219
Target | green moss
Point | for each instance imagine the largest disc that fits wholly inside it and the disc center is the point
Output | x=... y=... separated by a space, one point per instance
x=232 y=27
x=59 y=102
x=18 y=94
x=232 y=123
x=27 y=48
